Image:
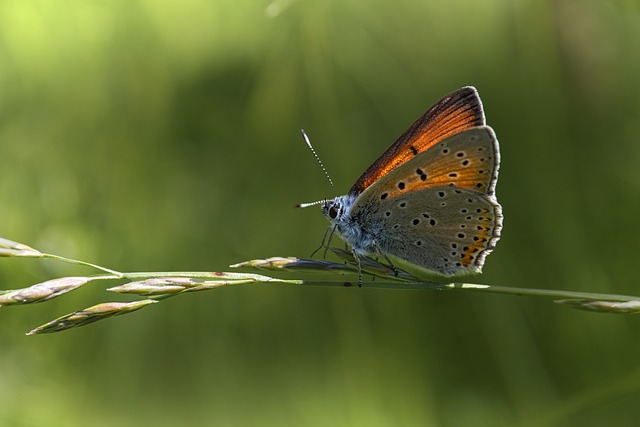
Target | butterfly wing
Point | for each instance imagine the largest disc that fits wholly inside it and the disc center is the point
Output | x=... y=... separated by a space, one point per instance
x=438 y=210
x=454 y=113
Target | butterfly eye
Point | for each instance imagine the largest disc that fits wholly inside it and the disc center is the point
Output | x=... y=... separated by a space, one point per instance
x=333 y=212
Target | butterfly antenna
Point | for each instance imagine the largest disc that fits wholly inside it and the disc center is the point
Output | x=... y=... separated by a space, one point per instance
x=306 y=205
x=306 y=139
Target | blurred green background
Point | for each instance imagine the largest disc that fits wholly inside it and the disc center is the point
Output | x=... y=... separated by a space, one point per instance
x=164 y=135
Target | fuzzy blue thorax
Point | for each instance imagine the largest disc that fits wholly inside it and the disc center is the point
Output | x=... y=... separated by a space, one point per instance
x=337 y=211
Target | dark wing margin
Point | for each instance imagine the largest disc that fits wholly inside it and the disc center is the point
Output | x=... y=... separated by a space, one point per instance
x=456 y=112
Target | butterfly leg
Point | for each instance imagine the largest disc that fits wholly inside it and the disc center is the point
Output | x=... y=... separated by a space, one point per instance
x=324 y=244
x=326 y=248
x=391 y=265
x=358 y=266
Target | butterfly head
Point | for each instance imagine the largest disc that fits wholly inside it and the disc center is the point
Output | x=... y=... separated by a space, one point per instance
x=337 y=209
x=333 y=209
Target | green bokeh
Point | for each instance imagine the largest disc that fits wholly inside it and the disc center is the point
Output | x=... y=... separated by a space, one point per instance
x=164 y=135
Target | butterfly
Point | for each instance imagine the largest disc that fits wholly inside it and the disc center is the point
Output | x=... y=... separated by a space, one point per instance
x=429 y=200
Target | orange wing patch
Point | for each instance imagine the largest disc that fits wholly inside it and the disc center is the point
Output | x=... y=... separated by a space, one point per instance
x=474 y=253
x=468 y=160
x=456 y=112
